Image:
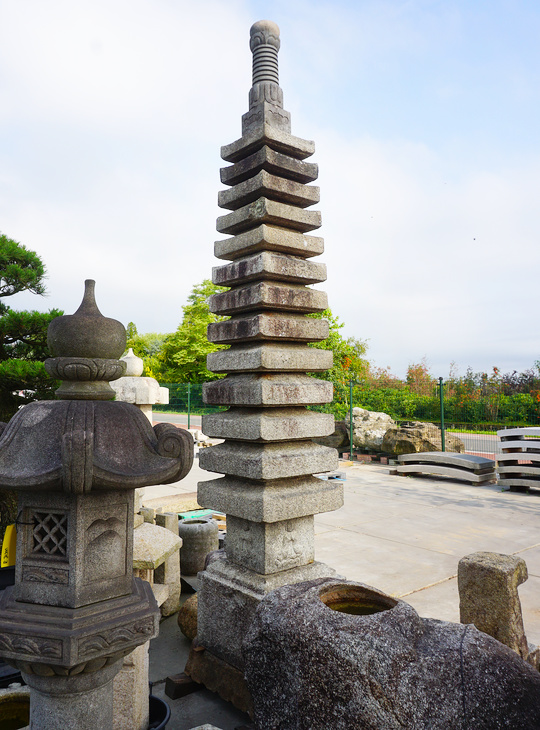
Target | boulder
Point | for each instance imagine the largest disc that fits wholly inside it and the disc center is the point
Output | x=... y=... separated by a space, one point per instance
x=187 y=617
x=417 y=438
x=338 y=440
x=337 y=654
x=369 y=428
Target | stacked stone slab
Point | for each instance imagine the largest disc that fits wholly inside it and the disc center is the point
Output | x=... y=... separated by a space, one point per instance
x=518 y=463
x=268 y=492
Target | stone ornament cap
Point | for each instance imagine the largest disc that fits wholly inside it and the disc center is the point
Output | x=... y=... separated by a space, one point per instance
x=264 y=44
x=86 y=347
x=266 y=95
x=134 y=364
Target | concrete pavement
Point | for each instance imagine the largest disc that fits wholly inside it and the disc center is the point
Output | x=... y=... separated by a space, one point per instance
x=403 y=535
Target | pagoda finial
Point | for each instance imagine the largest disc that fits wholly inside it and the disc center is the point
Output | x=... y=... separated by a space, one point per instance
x=264 y=43
x=265 y=96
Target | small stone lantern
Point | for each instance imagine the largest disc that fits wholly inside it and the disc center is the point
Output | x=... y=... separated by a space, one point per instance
x=76 y=610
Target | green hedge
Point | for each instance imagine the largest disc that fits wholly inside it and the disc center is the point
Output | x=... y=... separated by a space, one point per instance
x=398 y=402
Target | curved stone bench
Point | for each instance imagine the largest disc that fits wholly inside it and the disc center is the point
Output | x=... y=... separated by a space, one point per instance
x=465 y=467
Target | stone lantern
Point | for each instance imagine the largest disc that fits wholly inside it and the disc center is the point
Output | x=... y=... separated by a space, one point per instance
x=76 y=610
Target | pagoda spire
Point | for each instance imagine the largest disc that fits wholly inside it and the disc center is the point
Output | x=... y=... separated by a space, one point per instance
x=268 y=456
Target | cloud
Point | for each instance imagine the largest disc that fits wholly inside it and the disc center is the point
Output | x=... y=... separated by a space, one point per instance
x=113 y=114
x=422 y=265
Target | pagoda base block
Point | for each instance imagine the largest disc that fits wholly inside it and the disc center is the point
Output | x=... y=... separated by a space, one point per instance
x=229 y=596
x=218 y=676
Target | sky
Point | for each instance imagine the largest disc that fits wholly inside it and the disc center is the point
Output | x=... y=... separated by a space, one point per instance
x=425 y=115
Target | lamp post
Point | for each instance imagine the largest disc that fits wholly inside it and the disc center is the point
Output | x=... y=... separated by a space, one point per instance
x=441 y=396
x=351 y=384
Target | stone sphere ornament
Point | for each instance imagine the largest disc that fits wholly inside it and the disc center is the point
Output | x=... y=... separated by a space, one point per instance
x=86 y=347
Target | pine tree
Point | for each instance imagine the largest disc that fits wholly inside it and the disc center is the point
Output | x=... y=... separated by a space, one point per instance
x=23 y=344
x=23 y=335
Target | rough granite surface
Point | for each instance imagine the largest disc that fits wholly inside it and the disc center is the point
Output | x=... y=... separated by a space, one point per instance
x=309 y=667
x=488 y=597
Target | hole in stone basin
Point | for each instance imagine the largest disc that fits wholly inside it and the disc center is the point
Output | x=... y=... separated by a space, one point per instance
x=356 y=600
x=14 y=711
x=193 y=522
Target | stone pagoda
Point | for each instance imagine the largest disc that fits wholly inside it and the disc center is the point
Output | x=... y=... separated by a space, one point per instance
x=75 y=610
x=268 y=492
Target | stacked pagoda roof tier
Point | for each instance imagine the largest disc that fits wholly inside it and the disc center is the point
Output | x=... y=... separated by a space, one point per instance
x=268 y=457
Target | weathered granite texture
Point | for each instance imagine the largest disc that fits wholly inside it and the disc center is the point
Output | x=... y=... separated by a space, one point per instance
x=418 y=437
x=130 y=692
x=85 y=348
x=309 y=664
x=187 y=617
x=200 y=537
x=488 y=597
x=76 y=610
x=268 y=456
x=369 y=428
x=338 y=440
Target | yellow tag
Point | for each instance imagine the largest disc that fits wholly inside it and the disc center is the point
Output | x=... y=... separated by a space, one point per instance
x=9 y=546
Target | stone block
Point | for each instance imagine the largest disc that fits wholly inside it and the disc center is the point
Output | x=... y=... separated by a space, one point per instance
x=271 y=501
x=268 y=238
x=265 y=424
x=139 y=390
x=266 y=185
x=488 y=597
x=130 y=692
x=268 y=461
x=269 y=265
x=264 y=111
x=268 y=326
x=152 y=545
x=168 y=573
x=268 y=356
x=279 y=389
x=265 y=134
x=262 y=295
x=180 y=685
x=220 y=677
x=270 y=212
x=68 y=553
x=229 y=596
x=44 y=640
x=274 y=162
x=270 y=547
x=148 y=514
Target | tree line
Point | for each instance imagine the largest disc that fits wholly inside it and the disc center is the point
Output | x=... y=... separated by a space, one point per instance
x=180 y=357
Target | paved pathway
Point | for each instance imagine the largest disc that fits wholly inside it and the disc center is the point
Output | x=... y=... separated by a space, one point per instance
x=405 y=535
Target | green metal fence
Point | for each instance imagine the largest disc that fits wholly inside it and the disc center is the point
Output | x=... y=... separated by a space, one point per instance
x=475 y=414
x=186 y=398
